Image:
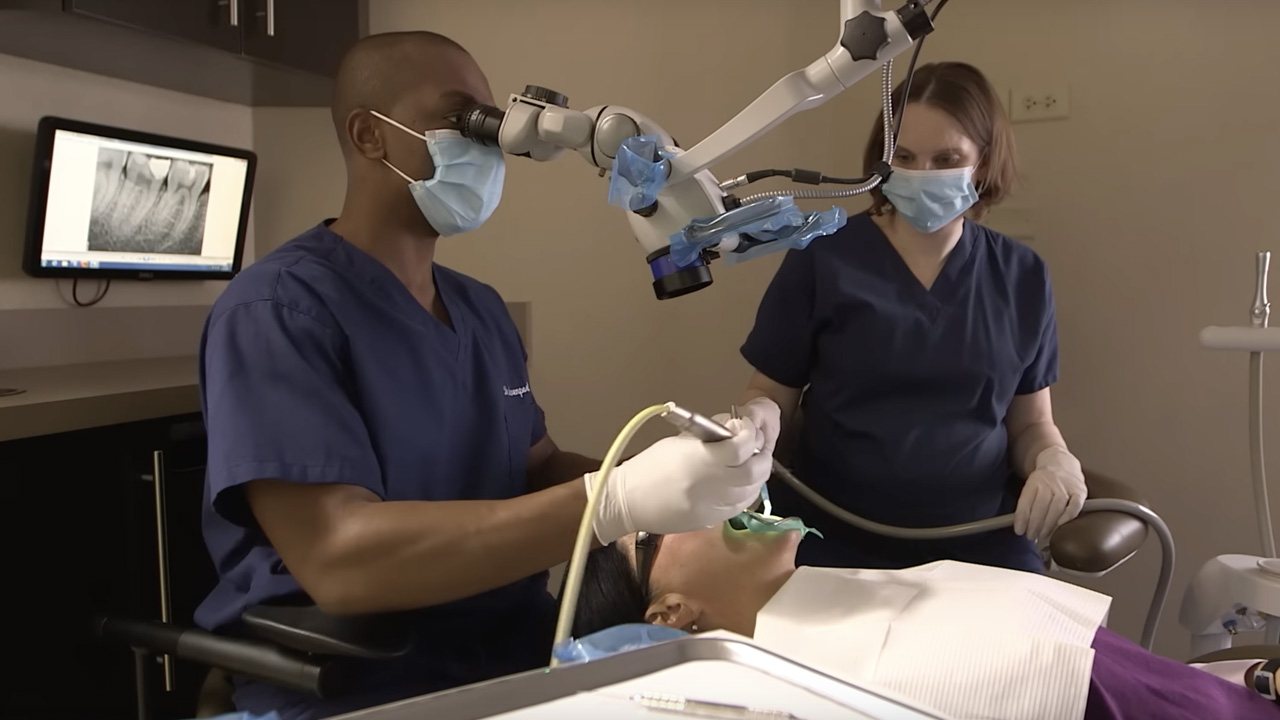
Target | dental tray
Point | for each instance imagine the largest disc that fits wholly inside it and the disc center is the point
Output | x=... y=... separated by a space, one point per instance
x=709 y=670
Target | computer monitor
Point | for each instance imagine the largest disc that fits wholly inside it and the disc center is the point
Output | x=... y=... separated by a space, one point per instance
x=113 y=203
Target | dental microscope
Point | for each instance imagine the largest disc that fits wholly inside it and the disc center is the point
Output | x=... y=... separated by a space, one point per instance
x=680 y=214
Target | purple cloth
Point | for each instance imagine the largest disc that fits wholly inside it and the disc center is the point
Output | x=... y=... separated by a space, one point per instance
x=1130 y=683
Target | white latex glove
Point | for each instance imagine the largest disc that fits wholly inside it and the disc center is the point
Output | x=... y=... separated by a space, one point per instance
x=681 y=484
x=1053 y=495
x=764 y=414
x=767 y=416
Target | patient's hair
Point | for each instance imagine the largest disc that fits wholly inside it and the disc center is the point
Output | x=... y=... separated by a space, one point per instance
x=963 y=92
x=611 y=593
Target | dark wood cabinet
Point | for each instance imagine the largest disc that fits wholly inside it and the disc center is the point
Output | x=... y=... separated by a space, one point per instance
x=85 y=531
x=208 y=22
x=309 y=35
x=254 y=52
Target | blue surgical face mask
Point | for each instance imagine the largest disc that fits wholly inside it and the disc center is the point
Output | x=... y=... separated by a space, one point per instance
x=466 y=186
x=929 y=199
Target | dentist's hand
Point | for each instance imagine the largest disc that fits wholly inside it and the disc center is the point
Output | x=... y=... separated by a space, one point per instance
x=681 y=484
x=1054 y=493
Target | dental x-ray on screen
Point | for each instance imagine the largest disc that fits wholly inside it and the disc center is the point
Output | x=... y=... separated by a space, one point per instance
x=108 y=202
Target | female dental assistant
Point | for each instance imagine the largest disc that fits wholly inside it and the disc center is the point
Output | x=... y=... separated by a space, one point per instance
x=925 y=345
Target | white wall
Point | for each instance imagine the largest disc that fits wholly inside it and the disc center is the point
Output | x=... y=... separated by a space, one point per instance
x=301 y=177
x=32 y=90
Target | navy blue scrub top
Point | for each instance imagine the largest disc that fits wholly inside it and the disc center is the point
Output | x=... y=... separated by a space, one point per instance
x=907 y=387
x=318 y=366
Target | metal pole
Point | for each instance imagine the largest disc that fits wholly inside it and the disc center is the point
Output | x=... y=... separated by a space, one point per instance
x=1259 y=317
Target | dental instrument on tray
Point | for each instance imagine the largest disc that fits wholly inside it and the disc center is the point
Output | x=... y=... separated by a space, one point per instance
x=704 y=709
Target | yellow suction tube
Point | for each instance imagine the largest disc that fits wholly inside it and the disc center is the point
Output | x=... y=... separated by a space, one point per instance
x=578 y=561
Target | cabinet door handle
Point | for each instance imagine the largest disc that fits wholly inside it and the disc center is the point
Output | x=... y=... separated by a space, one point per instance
x=270 y=15
x=233 y=11
x=162 y=555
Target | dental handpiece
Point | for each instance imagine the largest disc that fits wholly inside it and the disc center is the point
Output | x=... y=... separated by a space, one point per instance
x=697 y=425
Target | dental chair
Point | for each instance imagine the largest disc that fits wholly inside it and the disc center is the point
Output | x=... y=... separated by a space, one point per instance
x=1097 y=543
x=293 y=646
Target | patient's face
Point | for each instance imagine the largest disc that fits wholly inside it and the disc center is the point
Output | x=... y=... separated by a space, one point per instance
x=717 y=578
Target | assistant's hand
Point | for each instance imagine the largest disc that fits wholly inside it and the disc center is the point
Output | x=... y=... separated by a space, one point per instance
x=765 y=415
x=1054 y=493
x=681 y=484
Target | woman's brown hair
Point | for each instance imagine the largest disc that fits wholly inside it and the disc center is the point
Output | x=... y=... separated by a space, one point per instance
x=963 y=92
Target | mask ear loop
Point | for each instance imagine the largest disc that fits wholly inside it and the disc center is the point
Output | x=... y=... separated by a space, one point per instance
x=980 y=207
x=420 y=136
x=396 y=170
x=386 y=119
x=981 y=167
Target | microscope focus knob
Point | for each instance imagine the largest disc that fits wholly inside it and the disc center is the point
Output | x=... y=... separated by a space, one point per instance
x=546 y=95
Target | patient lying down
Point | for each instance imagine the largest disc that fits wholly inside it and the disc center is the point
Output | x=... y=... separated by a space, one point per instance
x=965 y=640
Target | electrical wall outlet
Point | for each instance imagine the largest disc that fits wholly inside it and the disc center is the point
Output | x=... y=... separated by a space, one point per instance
x=1030 y=103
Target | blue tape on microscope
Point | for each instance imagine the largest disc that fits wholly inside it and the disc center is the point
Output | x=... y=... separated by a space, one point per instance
x=703 y=233
x=640 y=171
x=757 y=244
x=766 y=226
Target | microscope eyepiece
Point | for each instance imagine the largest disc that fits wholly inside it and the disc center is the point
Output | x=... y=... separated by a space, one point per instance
x=483 y=123
x=480 y=123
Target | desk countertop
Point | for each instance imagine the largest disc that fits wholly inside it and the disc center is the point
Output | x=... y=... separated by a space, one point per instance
x=76 y=397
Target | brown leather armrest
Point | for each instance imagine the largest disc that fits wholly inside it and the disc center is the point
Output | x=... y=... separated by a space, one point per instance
x=1243 y=652
x=1097 y=542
